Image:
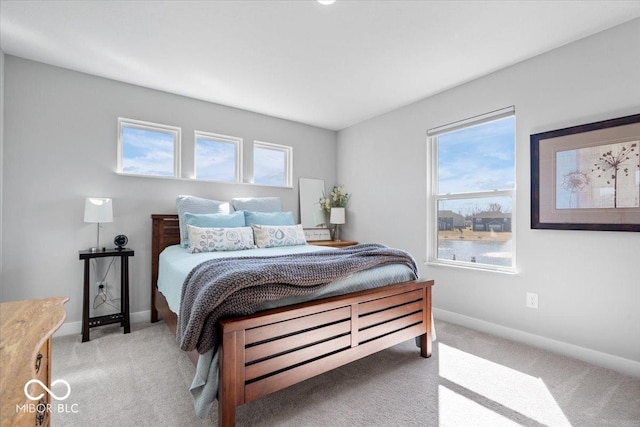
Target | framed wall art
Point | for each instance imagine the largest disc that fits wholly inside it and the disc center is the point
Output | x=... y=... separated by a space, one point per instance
x=587 y=177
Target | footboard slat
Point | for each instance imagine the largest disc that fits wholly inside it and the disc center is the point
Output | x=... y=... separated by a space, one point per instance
x=278 y=329
x=286 y=344
x=387 y=315
x=383 y=303
x=283 y=362
x=385 y=328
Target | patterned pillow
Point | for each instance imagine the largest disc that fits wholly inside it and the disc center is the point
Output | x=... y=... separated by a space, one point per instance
x=269 y=236
x=219 y=239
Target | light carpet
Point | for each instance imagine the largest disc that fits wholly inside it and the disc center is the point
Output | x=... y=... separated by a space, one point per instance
x=472 y=379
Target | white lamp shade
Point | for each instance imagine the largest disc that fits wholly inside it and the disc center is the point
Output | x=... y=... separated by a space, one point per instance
x=98 y=209
x=337 y=216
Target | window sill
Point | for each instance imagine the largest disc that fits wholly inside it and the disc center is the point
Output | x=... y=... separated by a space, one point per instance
x=133 y=175
x=472 y=266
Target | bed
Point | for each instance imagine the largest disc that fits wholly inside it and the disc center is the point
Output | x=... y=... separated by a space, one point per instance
x=264 y=352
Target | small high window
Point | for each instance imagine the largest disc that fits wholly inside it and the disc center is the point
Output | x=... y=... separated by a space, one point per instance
x=472 y=192
x=218 y=157
x=272 y=164
x=149 y=149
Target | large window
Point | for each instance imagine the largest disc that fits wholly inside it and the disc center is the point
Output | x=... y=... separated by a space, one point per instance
x=272 y=164
x=218 y=157
x=472 y=192
x=146 y=148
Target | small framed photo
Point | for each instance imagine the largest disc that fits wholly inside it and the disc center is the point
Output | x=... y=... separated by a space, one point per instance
x=316 y=234
x=587 y=177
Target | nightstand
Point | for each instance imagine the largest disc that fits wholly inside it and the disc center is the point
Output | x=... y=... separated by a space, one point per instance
x=123 y=316
x=333 y=243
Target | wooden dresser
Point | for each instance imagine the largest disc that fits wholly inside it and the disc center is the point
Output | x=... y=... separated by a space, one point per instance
x=26 y=328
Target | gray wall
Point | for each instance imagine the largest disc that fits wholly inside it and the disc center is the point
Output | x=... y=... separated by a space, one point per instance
x=60 y=147
x=1 y=149
x=588 y=282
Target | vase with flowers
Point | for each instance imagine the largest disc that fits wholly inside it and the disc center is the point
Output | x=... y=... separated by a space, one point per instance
x=335 y=205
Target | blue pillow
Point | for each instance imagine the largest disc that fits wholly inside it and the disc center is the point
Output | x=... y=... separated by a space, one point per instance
x=269 y=218
x=215 y=220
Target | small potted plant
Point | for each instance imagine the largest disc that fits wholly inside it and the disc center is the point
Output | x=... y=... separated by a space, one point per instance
x=335 y=205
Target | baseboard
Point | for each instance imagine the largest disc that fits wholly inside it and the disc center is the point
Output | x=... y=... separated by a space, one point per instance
x=72 y=328
x=609 y=361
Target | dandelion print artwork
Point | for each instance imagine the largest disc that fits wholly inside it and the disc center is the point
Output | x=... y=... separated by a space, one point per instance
x=604 y=176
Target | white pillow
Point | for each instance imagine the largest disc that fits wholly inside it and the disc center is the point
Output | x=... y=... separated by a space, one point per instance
x=269 y=236
x=211 y=239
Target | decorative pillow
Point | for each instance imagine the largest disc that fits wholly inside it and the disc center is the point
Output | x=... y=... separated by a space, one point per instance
x=269 y=236
x=196 y=205
x=257 y=204
x=269 y=218
x=217 y=220
x=209 y=239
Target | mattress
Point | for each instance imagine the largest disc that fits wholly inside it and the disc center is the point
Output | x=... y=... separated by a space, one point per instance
x=176 y=263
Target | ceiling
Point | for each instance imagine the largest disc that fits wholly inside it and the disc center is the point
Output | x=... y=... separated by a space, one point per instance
x=327 y=66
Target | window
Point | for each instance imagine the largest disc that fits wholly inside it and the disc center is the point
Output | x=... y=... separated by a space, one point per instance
x=472 y=192
x=218 y=157
x=148 y=148
x=272 y=164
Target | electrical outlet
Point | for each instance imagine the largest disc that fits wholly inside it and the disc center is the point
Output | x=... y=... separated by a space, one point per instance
x=532 y=300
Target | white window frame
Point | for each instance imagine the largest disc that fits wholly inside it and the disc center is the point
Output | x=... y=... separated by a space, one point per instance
x=222 y=138
x=433 y=197
x=288 y=160
x=156 y=127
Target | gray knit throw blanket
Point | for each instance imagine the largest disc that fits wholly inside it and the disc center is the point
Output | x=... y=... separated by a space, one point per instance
x=227 y=287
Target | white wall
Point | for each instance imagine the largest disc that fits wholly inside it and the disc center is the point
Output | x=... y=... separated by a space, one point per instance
x=60 y=146
x=588 y=282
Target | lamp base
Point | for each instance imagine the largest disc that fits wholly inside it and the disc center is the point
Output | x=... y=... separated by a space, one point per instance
x=93 y=249
x=336 y=233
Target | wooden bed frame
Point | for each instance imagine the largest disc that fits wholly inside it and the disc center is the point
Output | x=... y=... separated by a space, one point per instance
x=273 y=349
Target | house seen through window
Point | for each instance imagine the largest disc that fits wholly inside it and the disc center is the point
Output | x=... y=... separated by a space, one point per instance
x=472 y=192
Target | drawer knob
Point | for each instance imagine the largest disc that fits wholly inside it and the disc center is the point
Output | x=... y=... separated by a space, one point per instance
x=41 y=412
x=38 y=362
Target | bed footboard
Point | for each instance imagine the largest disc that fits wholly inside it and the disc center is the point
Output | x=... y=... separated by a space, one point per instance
x=271 y=350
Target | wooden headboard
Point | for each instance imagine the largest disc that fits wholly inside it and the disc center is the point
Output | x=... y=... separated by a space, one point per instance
x=165 y=232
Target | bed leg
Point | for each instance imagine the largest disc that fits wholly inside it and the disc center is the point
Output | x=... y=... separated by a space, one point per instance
x=426 y=339
x=425 y=345
x=154 y=310
x=231 y=375
x=226 y=414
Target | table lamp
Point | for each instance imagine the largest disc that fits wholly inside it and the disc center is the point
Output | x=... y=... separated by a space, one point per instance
x=98 y=210
x=337 y=217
